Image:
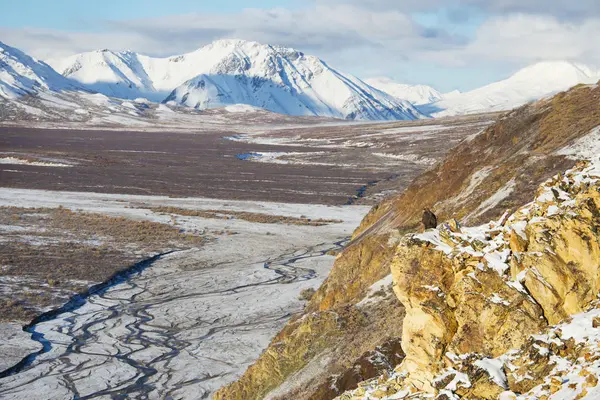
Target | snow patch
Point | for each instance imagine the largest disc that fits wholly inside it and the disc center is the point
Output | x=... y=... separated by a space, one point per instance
x=495 y=199
x=20 y=161
x=242 y=108
x=495 y=369
x=584 y=148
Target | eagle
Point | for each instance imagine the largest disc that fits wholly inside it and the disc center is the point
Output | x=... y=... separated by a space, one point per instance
x=429 y=219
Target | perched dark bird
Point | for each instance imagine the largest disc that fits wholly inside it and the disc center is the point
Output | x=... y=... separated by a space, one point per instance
x=429 y=219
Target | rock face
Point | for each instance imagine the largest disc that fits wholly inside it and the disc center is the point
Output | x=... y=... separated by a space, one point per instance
x=499 y=169
x=475 y=296
x=373 y=363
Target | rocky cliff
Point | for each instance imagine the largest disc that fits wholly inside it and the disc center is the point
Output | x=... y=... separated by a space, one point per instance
x=354 y=311
x=506 y=309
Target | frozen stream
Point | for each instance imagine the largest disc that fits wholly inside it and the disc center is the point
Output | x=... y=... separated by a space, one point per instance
x=188 y=322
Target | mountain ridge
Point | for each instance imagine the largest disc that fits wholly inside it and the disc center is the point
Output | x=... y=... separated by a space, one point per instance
x=530 y=83
x=275 y=78
x=533 y=82
x=233 y=71
x=21 y=74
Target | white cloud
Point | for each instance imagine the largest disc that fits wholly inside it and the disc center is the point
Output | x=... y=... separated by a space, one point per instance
x=524 y=39
x=340 y=34
x=360 y=38
x=320 y=28
x=561 y=9
x=48 y=43
x=328 y=28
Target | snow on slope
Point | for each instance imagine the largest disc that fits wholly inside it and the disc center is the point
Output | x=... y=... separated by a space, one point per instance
x=113 y=74
x=531 y=83
x=21 y=74
x=416 y=94
x=229 y=72
x=32 y=92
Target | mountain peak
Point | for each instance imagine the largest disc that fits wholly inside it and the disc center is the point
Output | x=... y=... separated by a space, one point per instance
x=248 y=47
x=533 y=82
x=558 y=69
x=282 y=80
x=234 y=43
x=246 y=43
x=235 y=71
x=112 y=52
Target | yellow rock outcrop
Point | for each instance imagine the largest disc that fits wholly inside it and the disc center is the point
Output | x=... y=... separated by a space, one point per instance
x=477 y=294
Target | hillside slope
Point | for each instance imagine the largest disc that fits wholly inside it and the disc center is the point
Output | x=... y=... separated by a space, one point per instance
x=353 y=312
x=114 y=74
x=229 y=72
x=21 y=74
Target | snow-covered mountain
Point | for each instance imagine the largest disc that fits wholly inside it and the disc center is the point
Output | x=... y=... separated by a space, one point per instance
x=416 y=94
x=278 y=79
x=21 y=74
x=531 y=83
x=234 y=71
x=32 y=92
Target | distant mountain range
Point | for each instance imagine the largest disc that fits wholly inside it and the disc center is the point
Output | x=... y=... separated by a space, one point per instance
x=531 y=83
x=230 y=72
x=277 y=79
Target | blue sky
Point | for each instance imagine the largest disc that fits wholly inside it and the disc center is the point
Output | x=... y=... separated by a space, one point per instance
x=90 y=14
x=449 y=44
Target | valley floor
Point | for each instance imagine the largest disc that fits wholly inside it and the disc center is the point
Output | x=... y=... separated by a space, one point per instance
x=184 y=323
x=323 y=163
